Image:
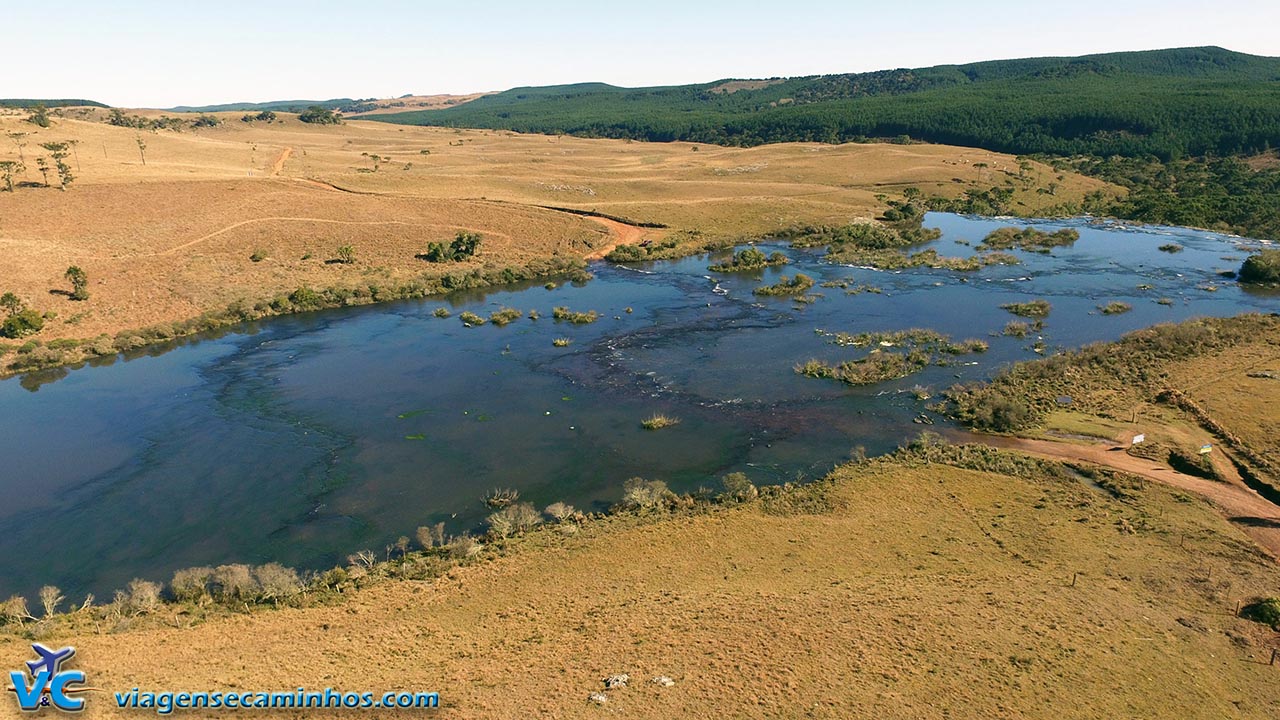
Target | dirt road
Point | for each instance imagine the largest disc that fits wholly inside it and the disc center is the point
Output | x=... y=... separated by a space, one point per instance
x=1253 y=514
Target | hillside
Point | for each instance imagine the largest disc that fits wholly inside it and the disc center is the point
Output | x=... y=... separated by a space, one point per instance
x=1166 y=103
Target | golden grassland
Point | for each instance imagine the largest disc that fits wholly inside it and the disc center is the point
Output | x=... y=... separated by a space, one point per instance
x=894 y=589
x=171 y=238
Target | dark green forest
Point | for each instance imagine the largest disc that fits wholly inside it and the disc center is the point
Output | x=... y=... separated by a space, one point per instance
x=1168 y=104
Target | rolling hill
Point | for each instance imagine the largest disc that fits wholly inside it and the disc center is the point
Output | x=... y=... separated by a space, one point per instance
x=1163 y=103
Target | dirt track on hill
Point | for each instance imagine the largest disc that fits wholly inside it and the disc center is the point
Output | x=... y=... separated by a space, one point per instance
x=1253 y=514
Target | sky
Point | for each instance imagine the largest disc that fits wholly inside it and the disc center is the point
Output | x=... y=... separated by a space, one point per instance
x=150 y=53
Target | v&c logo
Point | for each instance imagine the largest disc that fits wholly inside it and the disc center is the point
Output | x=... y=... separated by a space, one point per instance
x=49 y=684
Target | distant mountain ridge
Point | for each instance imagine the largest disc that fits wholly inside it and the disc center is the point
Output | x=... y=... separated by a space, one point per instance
x=1164 y=103
x=32 y=102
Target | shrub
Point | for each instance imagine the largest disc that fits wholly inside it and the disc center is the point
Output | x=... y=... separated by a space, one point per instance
x=191 y=584
x=750 y=259
x=514 y=519
x=258 y=255
x=22 y=323
x=1263 y=610
x=277 y=582
x=463 y=546
x=304 y=298
x=320 y=115
x=463 y=247
x=430 y=536
x=738 y=488
x=471 y=319
x=233 y=583
x=560 y=511
x=79 y=282
x=142 y=597
x=1261 y=269
x=638 y=493
x=798 y=285
x=442 y=312
x=345 y=255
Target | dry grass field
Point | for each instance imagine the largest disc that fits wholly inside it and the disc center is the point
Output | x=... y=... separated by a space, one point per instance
x=909 y=592
x=170 y=238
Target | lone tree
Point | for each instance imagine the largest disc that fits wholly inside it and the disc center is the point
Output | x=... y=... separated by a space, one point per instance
x=142 y=148
x=79 y=282
x=39 y=116
x=9 y=168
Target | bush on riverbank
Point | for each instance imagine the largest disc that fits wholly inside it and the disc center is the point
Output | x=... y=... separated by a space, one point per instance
x=1261 y=269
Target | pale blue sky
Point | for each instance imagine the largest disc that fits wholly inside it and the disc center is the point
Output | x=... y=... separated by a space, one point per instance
x=147 y=53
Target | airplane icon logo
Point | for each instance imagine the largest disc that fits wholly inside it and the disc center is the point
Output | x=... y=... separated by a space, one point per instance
x=50 y=660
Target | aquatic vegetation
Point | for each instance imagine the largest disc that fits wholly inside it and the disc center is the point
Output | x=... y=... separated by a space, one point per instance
x=562 y=342
x=1029 y=239
x=798 y=285
x=534 y=315
x=1032 y=309
x=418 y=436
x=658 y=422
x=577 y=318
x=442 y=312
x=504 y=316
x=500 y=497
x=750 y=259
x=1164 y=301
x=1115 y=307
x=1170 y=248
x=918 y=348
x=471 y=319
x=1016 y=328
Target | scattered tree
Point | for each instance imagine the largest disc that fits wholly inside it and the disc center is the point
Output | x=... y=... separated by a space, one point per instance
x=59 y=152
x=79 y=282
x=9 y=168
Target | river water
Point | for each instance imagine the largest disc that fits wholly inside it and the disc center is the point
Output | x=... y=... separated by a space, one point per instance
x=302 y=439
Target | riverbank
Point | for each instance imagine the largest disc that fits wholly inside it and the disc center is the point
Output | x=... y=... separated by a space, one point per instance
x=178 y=230
x=964 y=585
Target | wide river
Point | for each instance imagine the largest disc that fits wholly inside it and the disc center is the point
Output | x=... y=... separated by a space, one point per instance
x=305 y=438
